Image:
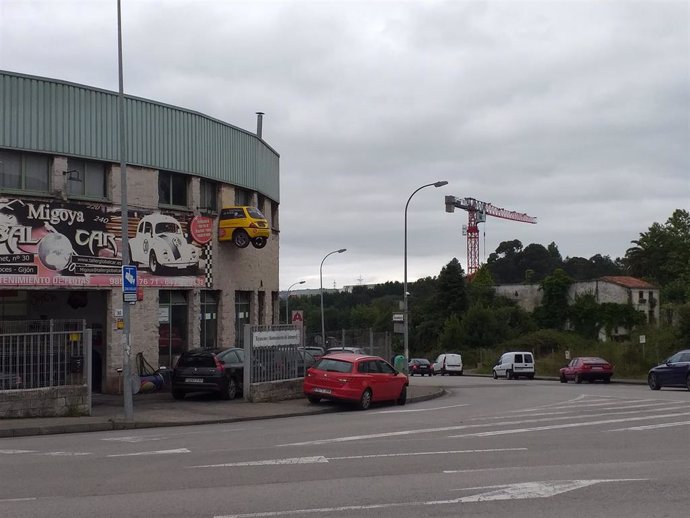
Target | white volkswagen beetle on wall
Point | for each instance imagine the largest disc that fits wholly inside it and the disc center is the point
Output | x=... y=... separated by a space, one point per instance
x=160 y=244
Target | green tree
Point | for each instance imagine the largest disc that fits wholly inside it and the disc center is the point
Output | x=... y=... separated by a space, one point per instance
x=480 y=328
x=662 y=253
x=586 y=316
x=553 y=311
x=451 y=292
x=451 y=336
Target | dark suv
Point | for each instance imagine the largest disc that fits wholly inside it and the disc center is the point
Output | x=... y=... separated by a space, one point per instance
x=209 y=370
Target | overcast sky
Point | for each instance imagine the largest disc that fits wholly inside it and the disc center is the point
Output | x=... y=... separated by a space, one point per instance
x=576 y=112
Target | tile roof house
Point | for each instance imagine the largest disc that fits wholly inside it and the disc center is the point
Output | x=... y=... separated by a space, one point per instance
x=618 y=289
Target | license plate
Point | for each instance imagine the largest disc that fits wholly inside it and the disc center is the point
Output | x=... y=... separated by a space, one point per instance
x=597 y=368
x=194 y=380
x=322 y=390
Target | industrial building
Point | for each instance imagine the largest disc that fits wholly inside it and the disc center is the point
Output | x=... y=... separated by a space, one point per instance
x=60 y=220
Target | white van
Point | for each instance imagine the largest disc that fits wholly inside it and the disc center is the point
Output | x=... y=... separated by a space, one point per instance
x=512 y=365
x=448 y=363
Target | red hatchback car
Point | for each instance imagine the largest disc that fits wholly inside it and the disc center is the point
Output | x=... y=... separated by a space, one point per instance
x=355 y=378
x=587 y=368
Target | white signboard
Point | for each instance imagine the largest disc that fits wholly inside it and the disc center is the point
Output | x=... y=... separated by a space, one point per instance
x=284 y=337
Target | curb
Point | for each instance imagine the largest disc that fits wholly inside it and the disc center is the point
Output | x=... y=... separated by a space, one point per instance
x=116 y=424
x=614 y=381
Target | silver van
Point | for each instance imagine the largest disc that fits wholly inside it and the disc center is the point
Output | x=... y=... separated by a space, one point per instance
x=448 y=363
x=512 y=365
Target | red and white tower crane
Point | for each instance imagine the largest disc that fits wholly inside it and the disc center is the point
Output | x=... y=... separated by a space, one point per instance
x=477 y=211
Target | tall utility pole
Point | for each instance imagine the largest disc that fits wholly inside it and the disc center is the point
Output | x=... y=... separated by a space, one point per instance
x=126 y=347
x=406 y=323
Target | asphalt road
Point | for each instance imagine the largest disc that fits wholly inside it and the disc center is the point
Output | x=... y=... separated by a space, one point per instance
x=489 y=448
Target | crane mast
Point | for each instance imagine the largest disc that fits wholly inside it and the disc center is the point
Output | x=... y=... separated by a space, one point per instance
x=476 y=213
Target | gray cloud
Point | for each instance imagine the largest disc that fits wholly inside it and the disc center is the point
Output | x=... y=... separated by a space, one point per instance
x=575 y=112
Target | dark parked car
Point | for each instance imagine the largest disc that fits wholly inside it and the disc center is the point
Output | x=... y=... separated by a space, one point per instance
x=209 y=370
x=674 y=372
x=419 y=366
x=587 y=369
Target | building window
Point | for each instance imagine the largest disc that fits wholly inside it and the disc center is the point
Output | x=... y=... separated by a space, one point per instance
x=242 y=315
x=208 y=196
x=242 y=196
x=24 y=171
x=172 y=326
x=172 y=189
x=92 y=176
x=640 y=297
x=209 y=319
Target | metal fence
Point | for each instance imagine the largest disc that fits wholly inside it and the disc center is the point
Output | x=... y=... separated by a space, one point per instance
x=43 y=353
x=273 y=353
x=374 y=343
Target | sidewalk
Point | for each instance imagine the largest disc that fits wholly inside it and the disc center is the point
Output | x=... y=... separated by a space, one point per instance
x=160 y=409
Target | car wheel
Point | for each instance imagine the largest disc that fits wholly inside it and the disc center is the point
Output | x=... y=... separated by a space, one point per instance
x=607 y=379
x=460 y=373
x=531 y=376
x=230 y=391
x=495 y=375
x=687 y=382
x=259 y=242
x=178 y=394
x=314 y=399
x=240 y=238
x=154 y=266
x=509 y=374
x=653 y=382
x=403 y=396
x=578 y=379
x=132 y=262
x=365 y=400
x=563 y=379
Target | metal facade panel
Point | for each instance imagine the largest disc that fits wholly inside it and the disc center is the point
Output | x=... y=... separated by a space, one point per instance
x=45 y=115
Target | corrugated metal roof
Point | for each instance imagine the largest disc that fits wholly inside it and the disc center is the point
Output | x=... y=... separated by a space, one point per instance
x=51 y=116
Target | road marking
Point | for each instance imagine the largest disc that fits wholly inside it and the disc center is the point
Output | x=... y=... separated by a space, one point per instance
x=133 y=438
x=419 y=409
x=17 y=499
x=525 y=490
x=401 y=433
x=507 y=492
x=65 y=454
x=158 y=452
x=651 y=426
x=15 y=452
x=567 y=425
x=271 y=462
x=319 y=459
x=419 y=453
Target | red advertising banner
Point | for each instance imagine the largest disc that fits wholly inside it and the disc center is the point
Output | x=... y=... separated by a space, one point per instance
x=47 y=243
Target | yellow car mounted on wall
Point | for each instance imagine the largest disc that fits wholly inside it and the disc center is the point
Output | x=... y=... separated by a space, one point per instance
x=243 y=225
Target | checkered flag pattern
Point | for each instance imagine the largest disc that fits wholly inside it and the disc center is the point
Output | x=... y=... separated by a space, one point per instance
x=208 y=265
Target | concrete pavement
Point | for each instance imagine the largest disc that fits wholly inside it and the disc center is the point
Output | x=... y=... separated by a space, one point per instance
x=160 y=409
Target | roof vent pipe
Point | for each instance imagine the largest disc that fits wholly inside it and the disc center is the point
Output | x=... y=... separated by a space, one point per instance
x=259 y=123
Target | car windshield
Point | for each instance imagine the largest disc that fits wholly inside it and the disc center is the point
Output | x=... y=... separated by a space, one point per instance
x=331 y=364
x=255 y=213
x=168 y=228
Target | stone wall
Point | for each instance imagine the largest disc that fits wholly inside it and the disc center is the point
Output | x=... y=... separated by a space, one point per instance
x=276 y=390
x=44 y=402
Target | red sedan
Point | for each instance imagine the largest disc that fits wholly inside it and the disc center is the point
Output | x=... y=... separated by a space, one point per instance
x=587 y=368
x=355 y=378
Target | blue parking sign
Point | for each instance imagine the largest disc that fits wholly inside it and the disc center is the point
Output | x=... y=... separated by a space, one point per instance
x=129 y=279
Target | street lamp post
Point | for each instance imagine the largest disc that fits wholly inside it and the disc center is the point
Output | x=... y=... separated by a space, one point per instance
x=287 y=301
x=323 y=325
x=406 y=335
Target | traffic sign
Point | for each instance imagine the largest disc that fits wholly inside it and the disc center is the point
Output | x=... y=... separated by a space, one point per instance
x=129 y=279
